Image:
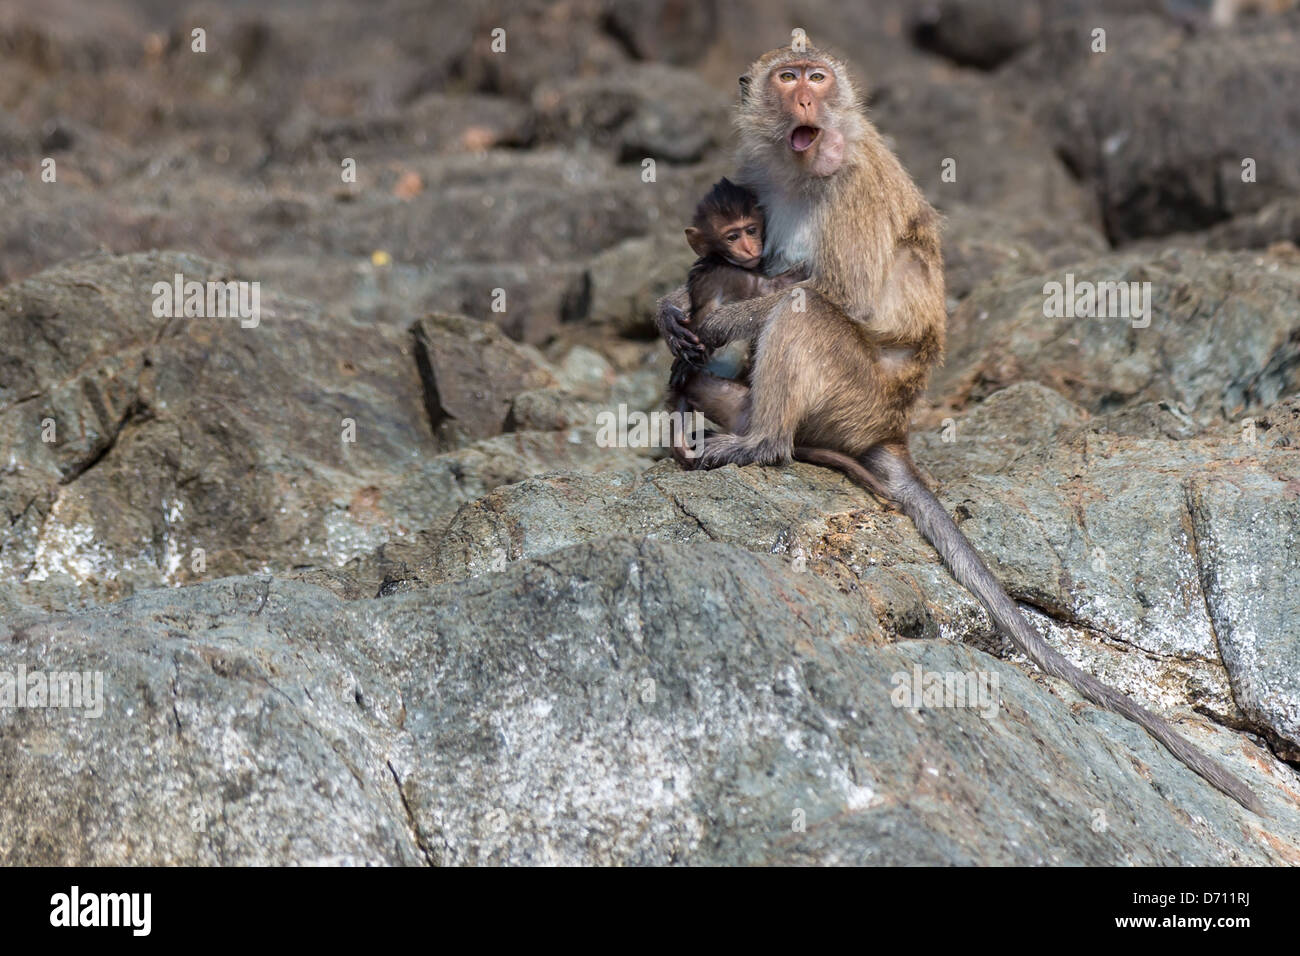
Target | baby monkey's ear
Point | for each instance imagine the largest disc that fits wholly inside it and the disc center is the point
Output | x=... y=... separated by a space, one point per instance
x=699 y=244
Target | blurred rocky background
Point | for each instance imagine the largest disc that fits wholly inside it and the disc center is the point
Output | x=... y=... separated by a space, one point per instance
x=465 y=632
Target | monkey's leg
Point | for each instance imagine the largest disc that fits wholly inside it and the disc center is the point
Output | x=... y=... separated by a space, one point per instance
x=681 y=454
x=720 y=400
x=911 y=308
x=802 y=358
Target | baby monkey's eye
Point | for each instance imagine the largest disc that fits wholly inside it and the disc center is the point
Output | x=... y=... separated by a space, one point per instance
x=751 y=231
x=733 y=236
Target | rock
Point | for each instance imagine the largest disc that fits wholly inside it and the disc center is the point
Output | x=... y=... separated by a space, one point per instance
x=436 y=122
x=672 y=31
x=550 y=409
x=762 y=510
x=541 y=41
x=1182 y=134
x=1281 y=424
x=627 y=280
x=586 y=373
x=148 y=450
x=963 y=140
x=979 y=34
x=1018 y=420
x=472 y=123
x=236 y=728
x=1248 y=539
x=1078 y=521
x=569 y=711
x=646 y=111
x=977 y=243
x=140 y=451
x=1223 y=337
x=1278 y=222
x=470 y=373
x=1165 y=419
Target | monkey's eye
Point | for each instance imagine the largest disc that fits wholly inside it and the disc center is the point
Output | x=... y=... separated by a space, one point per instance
x=751 y=231
x=787 y=76
x=732 y=236
x=817 y=77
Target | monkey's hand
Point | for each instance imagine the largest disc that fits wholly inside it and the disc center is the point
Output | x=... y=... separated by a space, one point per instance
x=674 y=326
x=673 y=322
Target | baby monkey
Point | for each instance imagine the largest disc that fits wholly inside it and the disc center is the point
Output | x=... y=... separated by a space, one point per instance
x=727 y=235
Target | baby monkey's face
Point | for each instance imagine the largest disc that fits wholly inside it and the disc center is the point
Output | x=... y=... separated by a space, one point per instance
x=736 y=238
x=741 y=240
x=728 y=223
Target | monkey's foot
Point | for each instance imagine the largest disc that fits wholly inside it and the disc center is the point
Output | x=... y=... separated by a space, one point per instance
x=683 y=369
x=743 y=450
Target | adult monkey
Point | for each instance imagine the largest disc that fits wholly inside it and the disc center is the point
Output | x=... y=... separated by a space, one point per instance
x=843 y=356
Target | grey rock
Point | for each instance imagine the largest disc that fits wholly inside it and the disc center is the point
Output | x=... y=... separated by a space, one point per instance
x=1248 y=545
x=190 y=448
x=1078 y=521
x=470 y=373
x=1223 y=338
x=237 y=729
x=643 y=111
x=547 y=42
x=567 y=711
x=980 y=242
x=979 y=34
x=666 y=30
x=628 y=279
x=1010 y=423
x=965 y=140
x=1163 y=131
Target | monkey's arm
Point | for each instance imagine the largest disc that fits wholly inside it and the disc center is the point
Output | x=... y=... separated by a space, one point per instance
x=738 y=320
x=672 y=318
x=733 y=284
x=910 y=309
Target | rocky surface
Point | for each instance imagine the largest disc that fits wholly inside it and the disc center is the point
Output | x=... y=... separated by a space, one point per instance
x=363 y=580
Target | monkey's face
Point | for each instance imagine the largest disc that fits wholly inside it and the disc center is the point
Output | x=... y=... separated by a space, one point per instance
x=741 y=241
x=801 y=109
x=808 y=94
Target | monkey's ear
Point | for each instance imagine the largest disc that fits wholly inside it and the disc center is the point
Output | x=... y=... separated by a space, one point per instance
x=744 y=87
x=699 y=245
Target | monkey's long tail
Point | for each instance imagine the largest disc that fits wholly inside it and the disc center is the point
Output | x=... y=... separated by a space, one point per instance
x=891 y=475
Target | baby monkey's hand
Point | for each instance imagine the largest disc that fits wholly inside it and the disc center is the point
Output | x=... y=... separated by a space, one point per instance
x=674 y=326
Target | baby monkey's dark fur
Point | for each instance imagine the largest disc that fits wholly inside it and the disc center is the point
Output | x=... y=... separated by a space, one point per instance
x=727 y=235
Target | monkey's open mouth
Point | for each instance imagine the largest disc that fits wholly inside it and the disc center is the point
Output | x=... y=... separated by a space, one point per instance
x=801 y=137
